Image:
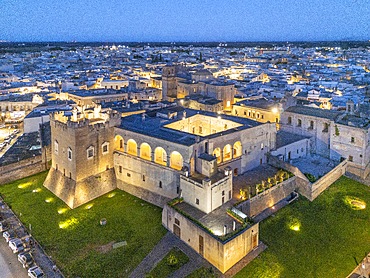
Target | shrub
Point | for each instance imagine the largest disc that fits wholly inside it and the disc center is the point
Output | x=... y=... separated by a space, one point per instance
x=172 y=260
x=310 y=177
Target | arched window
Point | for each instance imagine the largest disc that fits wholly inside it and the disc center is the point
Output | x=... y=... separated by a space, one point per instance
x=227 y=153
x=217 y=154
x=176 y=160
x=131 y=147
x=237 y=149
x=118 y=143
x=160 y=156
x=145 y=151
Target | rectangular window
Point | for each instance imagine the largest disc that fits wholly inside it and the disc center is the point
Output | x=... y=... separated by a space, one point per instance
x=105 y=148
x=69 y=153
x=128 y=174
x=197 y=201
x=352 y=139
x=120 y=169
x=229 y=194
x=326 y=127
x=90 y=153
x=311 y=125
x=56 y=147
x=289 y=120
x=177 y=221
x=160 y=184
x=299 y=123
x=350 y=158
x=223 y=192
x=143 y=177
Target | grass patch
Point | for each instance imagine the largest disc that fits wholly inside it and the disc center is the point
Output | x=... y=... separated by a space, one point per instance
x=75 y=239
x=323 y=238
x=203 y=273
x=169 y=264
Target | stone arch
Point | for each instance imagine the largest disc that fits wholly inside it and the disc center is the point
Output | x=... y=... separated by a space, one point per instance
x=132 y=147
x=160 y=156
x=226 y=154
x=217 y=154
x=146 y=151
x=176 y=160
x=119 y=143
x=237 y=149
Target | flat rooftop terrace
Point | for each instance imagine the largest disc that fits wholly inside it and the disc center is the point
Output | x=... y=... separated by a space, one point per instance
x=155 y=126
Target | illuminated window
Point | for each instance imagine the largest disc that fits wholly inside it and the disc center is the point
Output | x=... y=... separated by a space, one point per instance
x=56 y=147
x=69 y=153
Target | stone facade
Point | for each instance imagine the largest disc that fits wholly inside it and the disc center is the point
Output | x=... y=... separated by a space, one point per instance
x=221 y=254
x=82 y=147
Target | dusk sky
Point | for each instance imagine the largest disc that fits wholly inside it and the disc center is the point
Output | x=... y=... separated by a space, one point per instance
x=184 y=20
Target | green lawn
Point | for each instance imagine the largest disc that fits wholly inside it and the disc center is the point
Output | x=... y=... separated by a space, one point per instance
x=316 y=239
x=164 y=269
x=75 y=239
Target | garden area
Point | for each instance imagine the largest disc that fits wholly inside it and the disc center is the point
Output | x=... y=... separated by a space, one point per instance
x=169 y=264
x=324 y=238
x=76 y=240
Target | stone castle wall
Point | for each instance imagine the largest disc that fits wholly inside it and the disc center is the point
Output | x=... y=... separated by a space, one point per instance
x=21 y=169
x=74 y=193
x=268 y=198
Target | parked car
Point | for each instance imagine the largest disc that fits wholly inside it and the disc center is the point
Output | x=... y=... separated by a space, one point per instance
x=35 y=272
x=3 y=226
x=26 y=259
x=16 y=245
x=8 y=235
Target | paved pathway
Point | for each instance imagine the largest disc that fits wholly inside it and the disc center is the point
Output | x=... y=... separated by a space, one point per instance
x=159 y=252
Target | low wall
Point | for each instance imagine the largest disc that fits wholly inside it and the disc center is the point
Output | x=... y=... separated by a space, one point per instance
x=21 y=169
x=274 y=161
x=357 y=170
x=324 y=182
x=268 y=198
x=143 y=194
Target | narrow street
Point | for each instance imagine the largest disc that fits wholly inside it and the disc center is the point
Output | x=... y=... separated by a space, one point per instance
x=9 y=265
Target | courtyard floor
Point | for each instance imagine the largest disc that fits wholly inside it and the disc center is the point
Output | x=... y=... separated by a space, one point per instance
x=314 y=164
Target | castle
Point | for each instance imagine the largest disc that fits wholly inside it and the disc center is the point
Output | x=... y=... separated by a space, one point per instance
x=190 y=157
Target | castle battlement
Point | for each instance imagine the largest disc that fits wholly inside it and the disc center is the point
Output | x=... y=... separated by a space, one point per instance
x=93 y=118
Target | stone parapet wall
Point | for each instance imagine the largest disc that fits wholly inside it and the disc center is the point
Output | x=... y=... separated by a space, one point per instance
x=144 y=194
x=357 y=170
x=21 y=169
x=324 y=182
x=268 y=198
x=275 y=162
